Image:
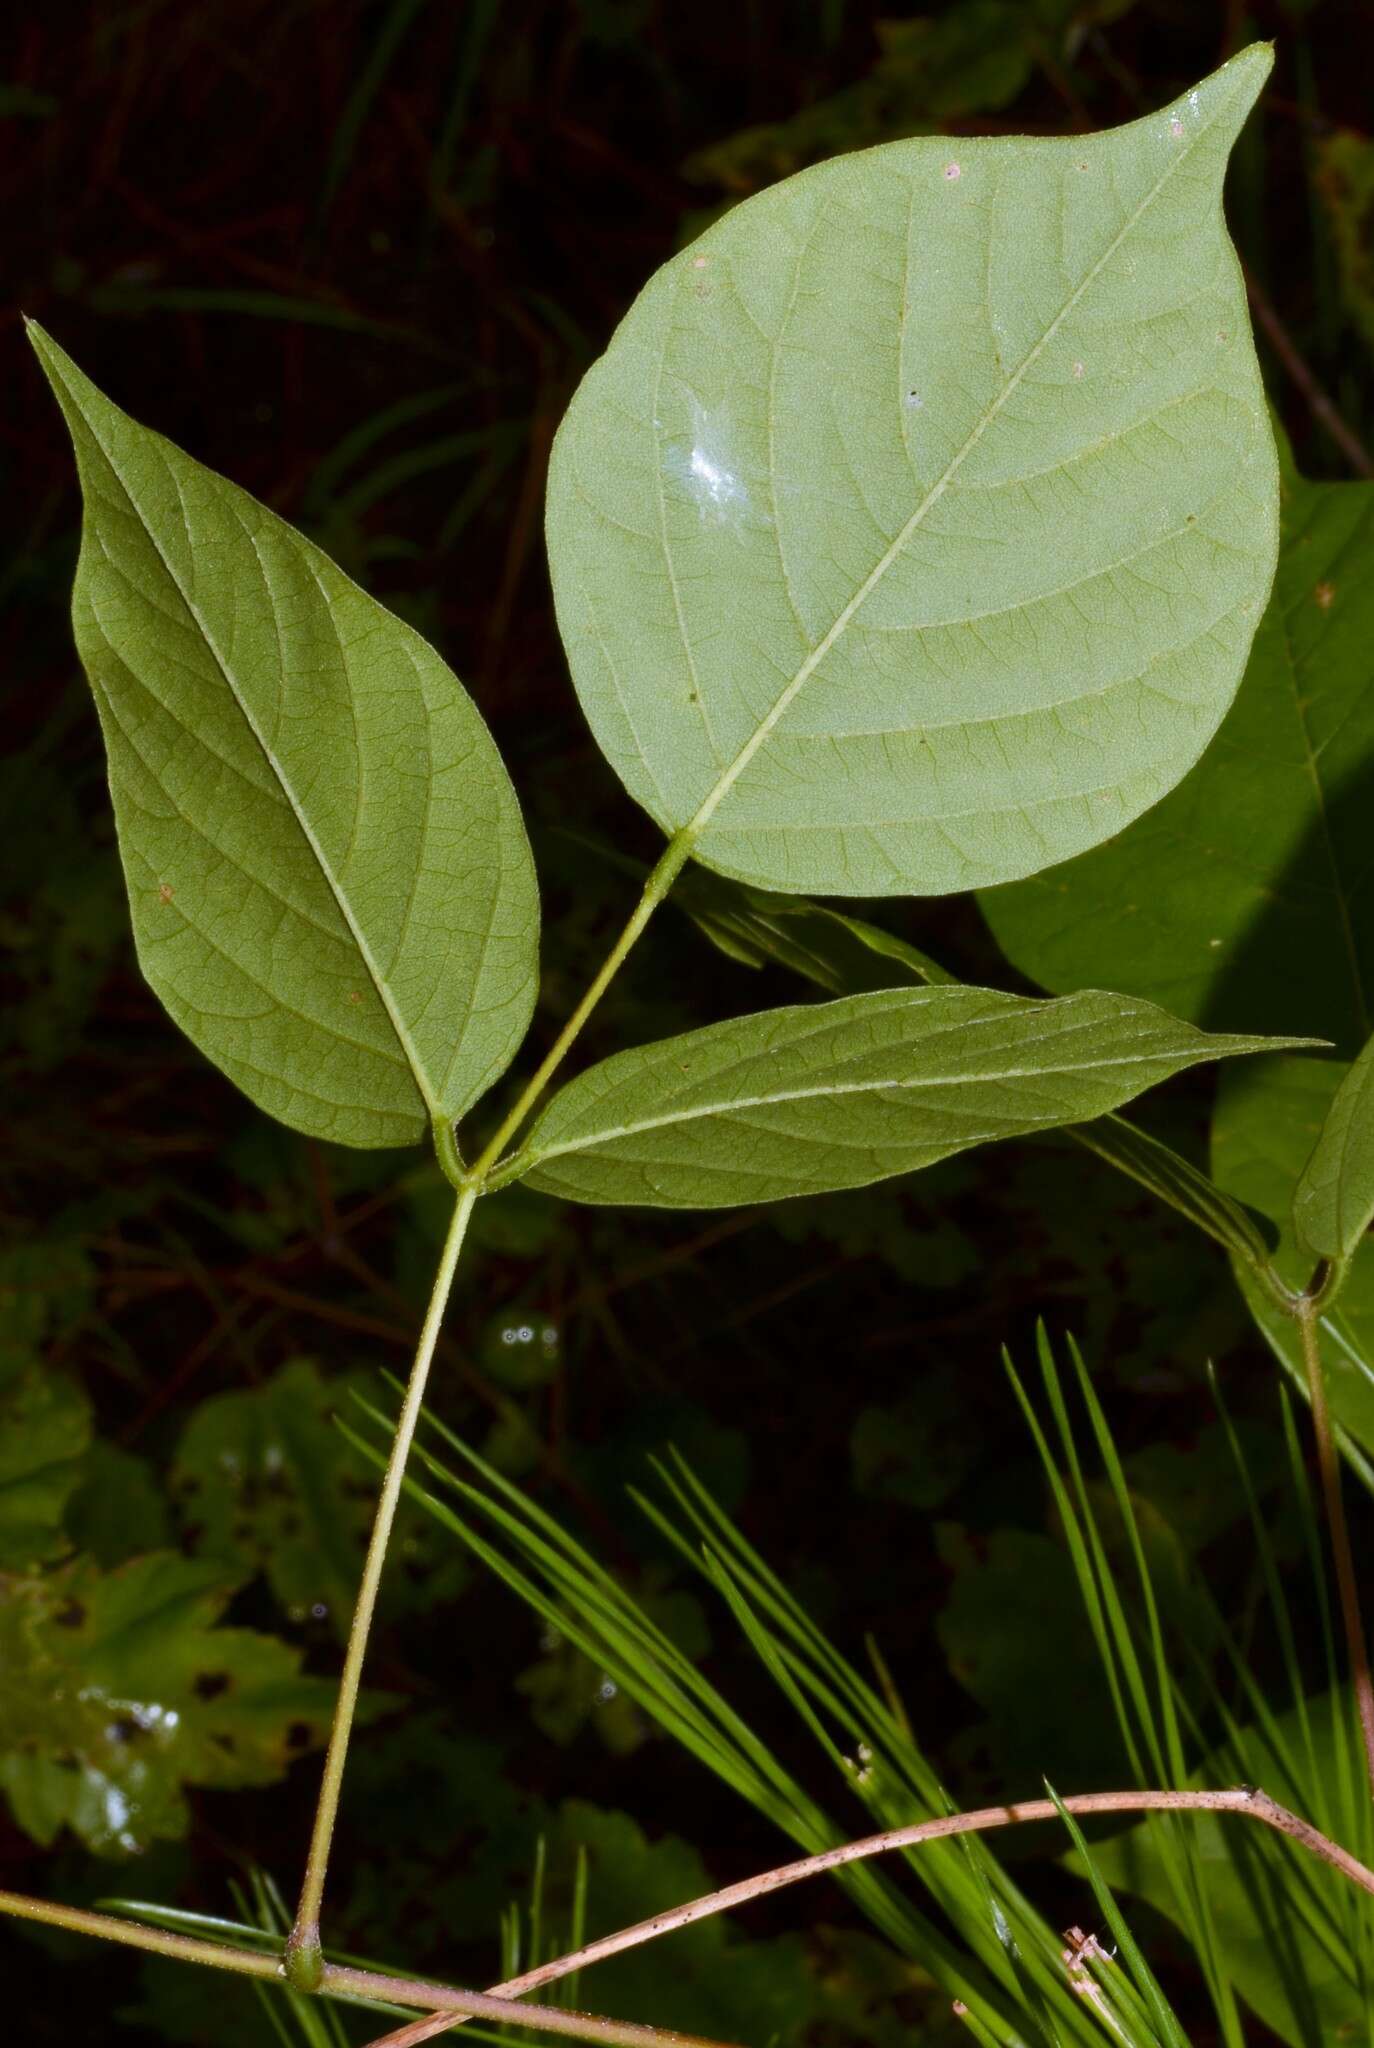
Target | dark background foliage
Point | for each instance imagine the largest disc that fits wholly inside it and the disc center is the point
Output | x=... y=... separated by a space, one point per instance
x=357 y=257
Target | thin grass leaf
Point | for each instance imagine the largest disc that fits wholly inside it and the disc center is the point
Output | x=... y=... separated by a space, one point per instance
x=1168 y=2030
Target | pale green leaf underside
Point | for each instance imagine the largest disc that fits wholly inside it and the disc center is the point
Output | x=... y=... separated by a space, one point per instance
x=330 y=883
x=835 y=1095
x=912 y=531
x=1262 y=853
x=1334 y=1199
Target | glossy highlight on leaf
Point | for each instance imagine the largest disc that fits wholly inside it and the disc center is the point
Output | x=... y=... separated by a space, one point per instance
x=835 y=1095
x=330 y=884
x=912 y=532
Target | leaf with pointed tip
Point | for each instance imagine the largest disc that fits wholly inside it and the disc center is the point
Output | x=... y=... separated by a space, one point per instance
x=836 y=1095
x=912 y=532
x=847 y=956
x=330 y=883
x=1261 y=855
x=1333 y=1203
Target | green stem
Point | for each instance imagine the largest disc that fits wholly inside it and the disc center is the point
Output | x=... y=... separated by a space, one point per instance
x=670 y=864
x=1308 y=1317
x=184 y=1948
x=335 y=1980
x=304 y=1960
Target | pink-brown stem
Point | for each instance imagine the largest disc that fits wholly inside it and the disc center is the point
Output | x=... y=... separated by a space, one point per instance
x=1241 y=1799
x=1338 y=1529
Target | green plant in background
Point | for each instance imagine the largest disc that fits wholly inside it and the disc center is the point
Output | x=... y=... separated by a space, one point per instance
x=910 y=537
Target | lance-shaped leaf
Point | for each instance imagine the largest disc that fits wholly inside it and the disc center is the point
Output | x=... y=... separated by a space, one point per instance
x=1333 y=1203
x=329 y=879
x=835 y=1095
x=912 y=532
x=1262 y=854
x=847 y=956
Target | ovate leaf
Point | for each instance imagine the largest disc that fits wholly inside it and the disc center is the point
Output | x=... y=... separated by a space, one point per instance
x=117 y=1689
x=329 y=879
x=1334 y=1201
x=912 y=532
x=835 y=1095
x=1261 y=854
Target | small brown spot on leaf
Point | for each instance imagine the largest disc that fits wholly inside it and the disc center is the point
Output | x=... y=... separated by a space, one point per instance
x=953 y=171
x=165 y=892
x=1325 y=594
x=355 y=995
x=700 y=262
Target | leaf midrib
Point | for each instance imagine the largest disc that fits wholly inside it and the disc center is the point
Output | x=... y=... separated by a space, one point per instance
x=716 y=796
x=538 y=1154
x=418 y=1071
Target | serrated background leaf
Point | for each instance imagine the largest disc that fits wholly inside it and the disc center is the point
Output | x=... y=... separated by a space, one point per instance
x=834 y=1095
x=117 y=1689
x=264 y=1481
x=912 y=531
x=330 y=883
x=1262 y=854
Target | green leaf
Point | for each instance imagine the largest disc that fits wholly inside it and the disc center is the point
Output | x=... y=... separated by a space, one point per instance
x=330 y=884
x=833 y=1095
x=1268 y=1118
x=118 y=1508
x=117 y=1689
x=45 y=1428
x=721 y=1983
x=1289 y=1931
x=1260 y=856
x=848 y=956
x=1334 y=1200
x=912 y=532
x=264 y=1481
